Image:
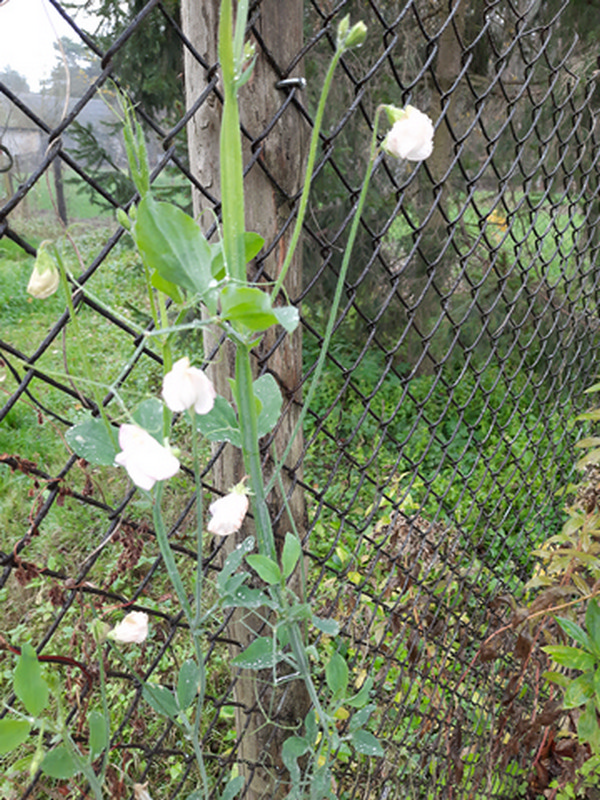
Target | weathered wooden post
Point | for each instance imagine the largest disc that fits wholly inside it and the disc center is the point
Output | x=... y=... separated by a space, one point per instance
x=280 y=154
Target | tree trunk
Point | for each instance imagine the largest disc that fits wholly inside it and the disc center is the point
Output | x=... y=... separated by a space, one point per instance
x=280 y=154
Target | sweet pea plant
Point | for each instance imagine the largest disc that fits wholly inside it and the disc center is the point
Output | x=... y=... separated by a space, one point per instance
x=182 y=267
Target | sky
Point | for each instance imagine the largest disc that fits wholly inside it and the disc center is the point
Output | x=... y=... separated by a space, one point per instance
x=28 y=29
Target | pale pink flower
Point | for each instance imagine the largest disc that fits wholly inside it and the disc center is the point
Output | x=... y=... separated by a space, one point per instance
x=133 y=629
x=227 y=513
x=188 y=387
x=411 y=136
x=144 y=458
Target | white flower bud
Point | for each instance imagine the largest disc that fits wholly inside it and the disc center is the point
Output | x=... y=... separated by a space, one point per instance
x=45 y=277
x=144 y=458
x=188 y=387
x=411 y=136
x=133 y=629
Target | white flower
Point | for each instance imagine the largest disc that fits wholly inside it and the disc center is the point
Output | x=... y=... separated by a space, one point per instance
x=411 y=136
x=186 y=387
x=45 y=278
x=227 y=513
x=132 y=629
x=144 y=458
x=140 y=791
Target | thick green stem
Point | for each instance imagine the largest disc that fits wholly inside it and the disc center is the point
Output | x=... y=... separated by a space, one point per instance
x=232 y=181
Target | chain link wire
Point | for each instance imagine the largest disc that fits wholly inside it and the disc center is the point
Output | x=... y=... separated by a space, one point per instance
x=441 y=433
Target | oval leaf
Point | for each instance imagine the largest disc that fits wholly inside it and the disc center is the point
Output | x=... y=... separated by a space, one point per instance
x=292 y=550
x=268 y=393
x=336 y=675
x=261 y=654
x=187 y=683
x=59 y=763
x=171 y=243
x=29 y=685
x=161 y=699
x=266 y=568
x=13 y=732
x=365 y=743
x=98 y=733
x=91 y=440
x=220 y=424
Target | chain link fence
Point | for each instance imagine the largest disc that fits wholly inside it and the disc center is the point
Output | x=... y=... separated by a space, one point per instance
x=435 y=448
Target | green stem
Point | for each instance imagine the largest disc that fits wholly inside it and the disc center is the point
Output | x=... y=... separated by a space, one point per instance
x=232 y=182
x=334 y=306
x=199 y=525
x=168 y=558
x=85 y=361
x=248 y=418
x=312 y=155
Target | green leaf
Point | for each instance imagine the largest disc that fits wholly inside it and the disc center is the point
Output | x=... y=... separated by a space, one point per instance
x=571 y=657
x=13 y=732
x=91 y=440
x=98 y=733
x=233 y=788
x=575 y=632
x=29 y=685
x=149 y=416
x=365 y=743
x=292 y=550
x=253 y=244
x=220 y=424
x=171 y=243
x=311 y=728
x=336 y=675
x=245 y=597
x=360 y=719
x=288 y=317
x=248 y=305
x=578 y=691
x=251 y=307
x=187 y=683
x=168 y=288
x=59 y=763
x=161 y=699
x=362 y=696
x=587 y=727
x=294 y=748
x=267 y=391
x=330 y=627
x=261 y=654
x=266 y=568
x=592 y=623
x=557 y=677
x=233 y=562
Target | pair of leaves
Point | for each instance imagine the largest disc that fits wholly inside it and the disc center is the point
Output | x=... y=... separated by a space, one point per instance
x=173 y=246
x=61 y=762
x=268 y=569
x=164 y=701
